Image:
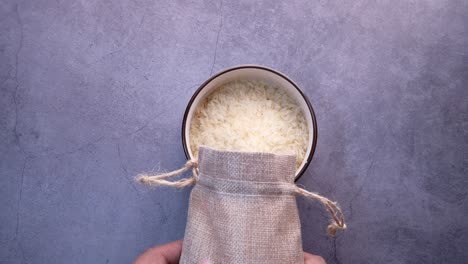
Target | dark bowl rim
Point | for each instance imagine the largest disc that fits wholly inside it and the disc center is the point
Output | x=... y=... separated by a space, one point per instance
x=309 y=105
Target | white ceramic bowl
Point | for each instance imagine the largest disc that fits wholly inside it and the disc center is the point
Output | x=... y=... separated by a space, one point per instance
x=253 y=72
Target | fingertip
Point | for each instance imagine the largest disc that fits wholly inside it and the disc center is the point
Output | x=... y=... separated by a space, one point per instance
x=313 y=259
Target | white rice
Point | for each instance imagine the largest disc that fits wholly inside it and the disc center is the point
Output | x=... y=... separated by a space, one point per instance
x=250 y=116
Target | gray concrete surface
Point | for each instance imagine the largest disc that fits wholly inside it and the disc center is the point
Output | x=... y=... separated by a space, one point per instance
x=93 y=92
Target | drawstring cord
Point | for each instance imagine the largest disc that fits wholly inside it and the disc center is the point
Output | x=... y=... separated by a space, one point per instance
x=338 y=221
x=337 y=217
x=158 y=180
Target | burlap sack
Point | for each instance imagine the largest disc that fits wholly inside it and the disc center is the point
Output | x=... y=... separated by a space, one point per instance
x=243 y=208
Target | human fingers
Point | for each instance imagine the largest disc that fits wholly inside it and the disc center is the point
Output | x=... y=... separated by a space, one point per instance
x=164 y=254
x=313 y=259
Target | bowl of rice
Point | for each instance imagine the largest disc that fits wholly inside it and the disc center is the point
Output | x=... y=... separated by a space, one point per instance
x=251 y=108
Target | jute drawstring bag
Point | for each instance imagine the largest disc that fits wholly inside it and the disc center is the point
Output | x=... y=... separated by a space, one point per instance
x=243 y=208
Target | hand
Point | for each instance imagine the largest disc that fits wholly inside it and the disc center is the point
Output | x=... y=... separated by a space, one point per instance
x=164 y=254
x=170 y=254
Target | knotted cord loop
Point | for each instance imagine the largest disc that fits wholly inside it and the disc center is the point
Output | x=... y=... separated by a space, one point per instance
x=160 y=179
x=338 y=221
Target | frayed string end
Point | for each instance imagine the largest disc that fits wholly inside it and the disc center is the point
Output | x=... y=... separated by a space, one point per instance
x=333 y=227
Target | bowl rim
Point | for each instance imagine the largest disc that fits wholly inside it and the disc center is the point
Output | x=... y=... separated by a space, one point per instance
x=254 y=66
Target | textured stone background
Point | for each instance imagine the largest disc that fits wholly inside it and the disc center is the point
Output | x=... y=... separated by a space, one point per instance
x=93 y=92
